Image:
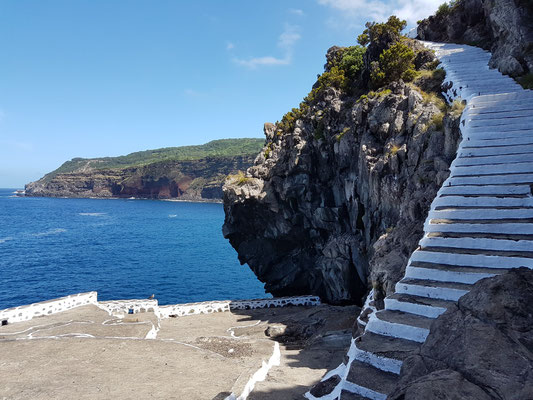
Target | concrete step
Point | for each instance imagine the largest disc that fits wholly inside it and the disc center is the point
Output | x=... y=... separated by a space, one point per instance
x=498 y=179
x=460 y=201
x=496 y=151
x=499 y=145
x=384 y=352
x=492 y=160
x=425 y=306
x=399 y=325
x=521 y=123
x=493 y=169
x=482 y=214
x=495 y=134
x=433 y=266
x=468 y=260
x=499 y=115
x=497 y=87
x=501 y=108
x=370 y=382
x=490 y=228
x=465 y=243
x=481 y=76
x=433 y=289
x=508 y=99
x=496 y=190
x=442 y=275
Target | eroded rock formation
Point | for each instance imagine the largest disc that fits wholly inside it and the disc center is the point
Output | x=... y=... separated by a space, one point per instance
x=339 y=201
x=505 y=27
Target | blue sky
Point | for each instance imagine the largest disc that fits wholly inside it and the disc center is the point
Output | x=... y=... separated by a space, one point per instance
x=91 y=78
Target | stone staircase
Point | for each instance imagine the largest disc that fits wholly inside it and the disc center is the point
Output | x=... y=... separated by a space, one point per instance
x=479 y=225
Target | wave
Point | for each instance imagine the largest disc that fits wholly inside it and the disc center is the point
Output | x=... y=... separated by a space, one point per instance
x=6 y=239
x=49 y=232
x=92 y=214
x=172 y=215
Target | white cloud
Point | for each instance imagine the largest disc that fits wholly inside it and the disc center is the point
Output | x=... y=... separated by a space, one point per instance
x=289 y=37
x=258 y=61
x=414 y=10
x=373 y=9
x=410 y=10
x=286 y=42
x=297 y=11
x=230 y=46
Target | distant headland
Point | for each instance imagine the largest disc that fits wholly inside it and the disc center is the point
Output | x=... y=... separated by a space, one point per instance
x=193 y=173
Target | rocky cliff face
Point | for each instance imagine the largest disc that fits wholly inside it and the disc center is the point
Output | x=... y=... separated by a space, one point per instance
x=505 y=27
x=480 y=349
x=338 y=202
x=186 y=180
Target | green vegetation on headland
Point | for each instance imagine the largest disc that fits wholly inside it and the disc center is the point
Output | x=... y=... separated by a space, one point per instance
x=215 y=148
x=383 y=55
x=194 y=173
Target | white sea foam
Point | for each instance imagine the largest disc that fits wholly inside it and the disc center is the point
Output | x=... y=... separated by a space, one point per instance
x=172 y=215
x=49 y=232
x=93 y=214
x=6 y=239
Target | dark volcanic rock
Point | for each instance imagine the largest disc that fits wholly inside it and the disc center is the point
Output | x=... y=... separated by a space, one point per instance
x=340 y=199
x=325 y=387
x=481 y=349
x=505 y=27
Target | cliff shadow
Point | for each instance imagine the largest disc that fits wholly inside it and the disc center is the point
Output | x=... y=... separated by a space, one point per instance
x=313 y=340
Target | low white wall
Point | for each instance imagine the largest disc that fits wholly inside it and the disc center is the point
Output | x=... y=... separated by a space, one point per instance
x=124 y=306
x=208 y=307
x=27 y=312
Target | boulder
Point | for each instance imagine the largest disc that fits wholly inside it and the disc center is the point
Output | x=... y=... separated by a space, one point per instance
x=480 y=349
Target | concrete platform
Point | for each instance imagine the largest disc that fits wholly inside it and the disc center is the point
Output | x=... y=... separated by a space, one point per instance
x=85 y=353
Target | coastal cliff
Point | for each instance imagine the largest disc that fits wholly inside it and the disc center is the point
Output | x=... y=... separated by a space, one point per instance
x=335 y=202
x=185 y=173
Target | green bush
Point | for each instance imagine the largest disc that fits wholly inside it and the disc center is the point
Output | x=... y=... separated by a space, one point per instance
x=352 y=61
x=445 y=8
x=288 y=121
x=335 y=77
x=376 y=32
x=395 y=63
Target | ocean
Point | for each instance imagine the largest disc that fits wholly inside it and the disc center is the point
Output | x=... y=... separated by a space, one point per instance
x=121 y=248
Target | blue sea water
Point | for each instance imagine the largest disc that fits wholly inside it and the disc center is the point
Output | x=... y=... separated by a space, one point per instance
x=121 y=248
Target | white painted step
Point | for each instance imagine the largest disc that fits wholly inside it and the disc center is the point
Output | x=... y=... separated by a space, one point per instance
x=469 y=260
x=439 y=275
x=485 y=190
x=424 y=306
x=495 y=228
x=492 y=169
x=433 y=290
x=484 y=141
x=503 y=179
x=478 y=244
x=458 y=201
x=481 y=214
x=491 y=160
x=496 y=151
x=500 y=115
x=399 y=325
